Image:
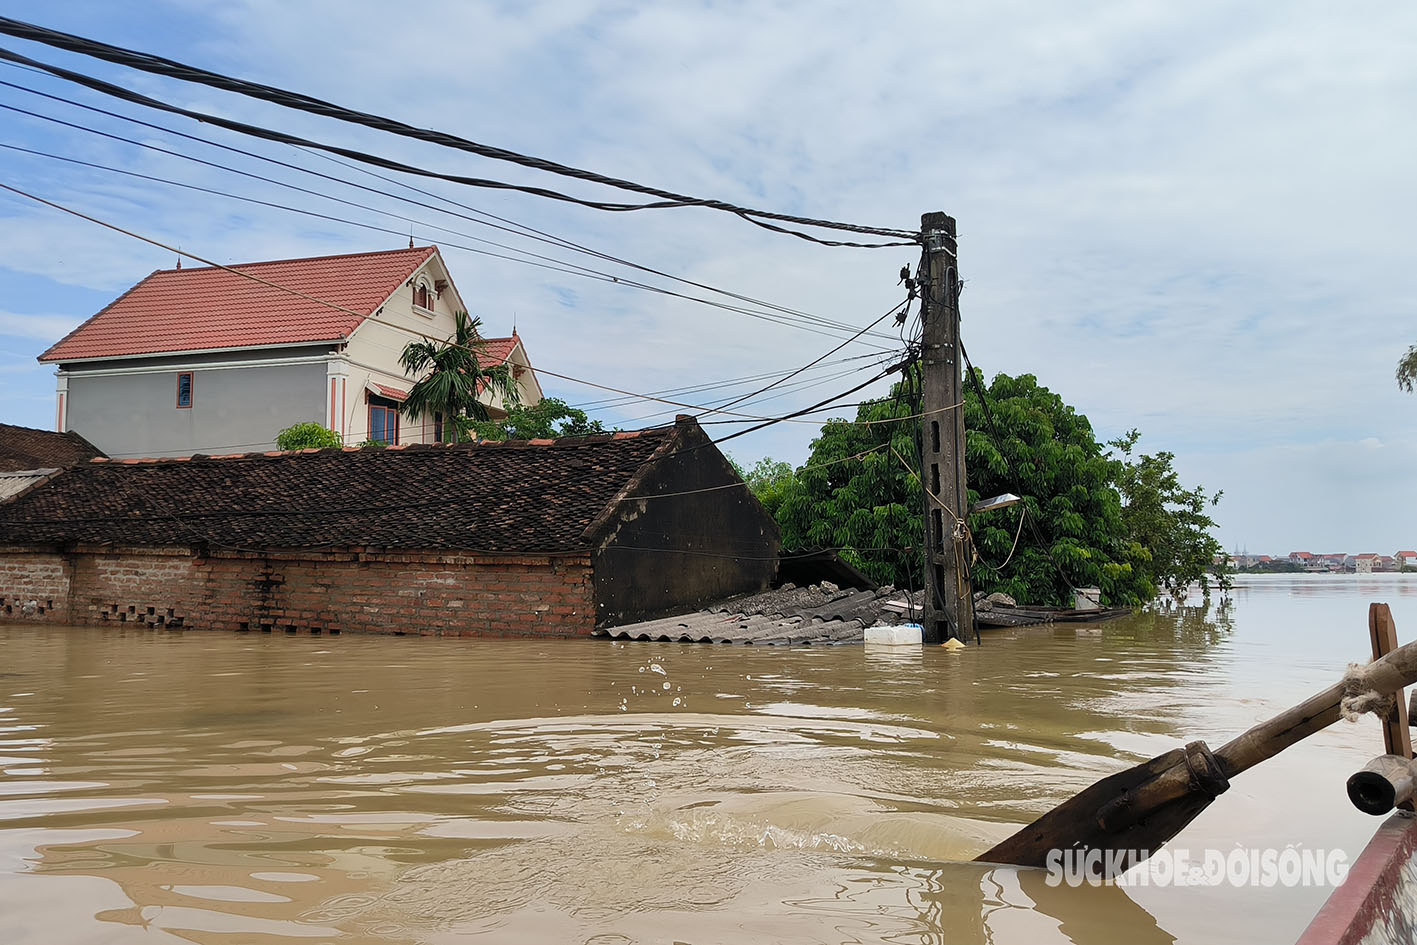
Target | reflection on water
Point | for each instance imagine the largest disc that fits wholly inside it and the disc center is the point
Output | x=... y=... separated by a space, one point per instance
x=198 y=787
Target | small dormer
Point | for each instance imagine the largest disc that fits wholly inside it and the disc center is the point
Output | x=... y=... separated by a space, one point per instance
x=425 y=294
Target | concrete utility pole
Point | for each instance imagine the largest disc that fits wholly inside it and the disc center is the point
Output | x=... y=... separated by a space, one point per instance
x=949 y=596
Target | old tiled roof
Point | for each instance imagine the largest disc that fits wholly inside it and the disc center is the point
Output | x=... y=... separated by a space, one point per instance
x=516 y=496
x=26 y=448
x=199 y=309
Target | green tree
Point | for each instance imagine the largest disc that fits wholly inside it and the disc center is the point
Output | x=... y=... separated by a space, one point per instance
x=860 y=491
x=769 y=479
x=1168 y=524
x=1049 y=455
x=548 y=417
x=450 y=376
x=1407 y=370
x=857 y=492
x=307 y=435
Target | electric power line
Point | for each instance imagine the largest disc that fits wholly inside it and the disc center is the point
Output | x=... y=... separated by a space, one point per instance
x=503 y=224
x=158 y=65
x=549 y=262
x=763 y=421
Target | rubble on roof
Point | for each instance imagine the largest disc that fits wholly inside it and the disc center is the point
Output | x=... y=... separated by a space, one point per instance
x=788 y=615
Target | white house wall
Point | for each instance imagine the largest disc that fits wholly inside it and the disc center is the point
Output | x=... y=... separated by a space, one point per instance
x=372 y=354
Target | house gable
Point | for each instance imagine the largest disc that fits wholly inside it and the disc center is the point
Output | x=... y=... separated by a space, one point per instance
x=684 y=530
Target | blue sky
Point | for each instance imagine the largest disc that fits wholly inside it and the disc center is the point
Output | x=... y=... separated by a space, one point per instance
x=1192 y=219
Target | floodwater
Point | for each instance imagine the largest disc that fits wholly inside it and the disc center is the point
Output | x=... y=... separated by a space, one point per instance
x=244 y=788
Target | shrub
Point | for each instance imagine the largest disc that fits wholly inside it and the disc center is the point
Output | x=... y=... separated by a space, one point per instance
x=303 y=436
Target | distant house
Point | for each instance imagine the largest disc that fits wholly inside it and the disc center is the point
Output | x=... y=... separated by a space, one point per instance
x=1406 y=559
x=1366 y=563
x=208 y=360
x=28 y=456
x=23 y=448
x=540 y=537
x=1308 y=561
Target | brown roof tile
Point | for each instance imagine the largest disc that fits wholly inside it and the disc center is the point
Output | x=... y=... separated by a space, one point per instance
x=507 y=497
x=26 y=448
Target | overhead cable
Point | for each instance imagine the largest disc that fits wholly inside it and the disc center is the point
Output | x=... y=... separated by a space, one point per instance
x=158 y=65
x=762 y=421
x=548 y=262
x=502 y=224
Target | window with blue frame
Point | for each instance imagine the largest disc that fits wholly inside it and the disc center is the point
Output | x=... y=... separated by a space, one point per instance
x=383 y=420
x=184 y=389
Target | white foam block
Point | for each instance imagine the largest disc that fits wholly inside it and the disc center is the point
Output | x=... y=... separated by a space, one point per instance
x=904 y=634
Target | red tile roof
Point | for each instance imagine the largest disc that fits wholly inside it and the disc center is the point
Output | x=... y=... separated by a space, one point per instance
x=1407 y=554
x=499 y=349
x=199 y=309
x=393 y=393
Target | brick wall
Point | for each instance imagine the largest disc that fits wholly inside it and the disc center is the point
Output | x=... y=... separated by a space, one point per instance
x=337 y=592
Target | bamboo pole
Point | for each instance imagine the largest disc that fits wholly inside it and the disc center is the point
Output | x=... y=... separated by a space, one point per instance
x=1145 y=806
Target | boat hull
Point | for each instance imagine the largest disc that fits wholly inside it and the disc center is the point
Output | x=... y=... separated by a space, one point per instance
x=1378 y=901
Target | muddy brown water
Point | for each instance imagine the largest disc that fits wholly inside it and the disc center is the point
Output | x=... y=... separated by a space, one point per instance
x=237 y=788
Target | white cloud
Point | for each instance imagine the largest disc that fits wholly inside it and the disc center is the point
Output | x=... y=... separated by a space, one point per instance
x=48 y=328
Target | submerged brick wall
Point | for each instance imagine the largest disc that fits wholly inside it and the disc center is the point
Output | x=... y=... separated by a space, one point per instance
x=338 y=592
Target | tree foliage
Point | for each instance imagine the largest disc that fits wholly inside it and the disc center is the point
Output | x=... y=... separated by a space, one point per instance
x=1168 y=523
x=1407 y=370
x=548 y=417
x=450 y=376
x=307 y=435
x=1066 y=481
x=1123 y=525
x=769 y=480
x=857 y=492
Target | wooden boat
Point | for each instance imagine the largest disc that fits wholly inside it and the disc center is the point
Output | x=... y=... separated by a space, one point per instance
x=1378 y=902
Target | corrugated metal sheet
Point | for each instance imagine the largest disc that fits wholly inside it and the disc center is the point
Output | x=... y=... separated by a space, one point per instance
x=13 y=483
x=788 y=615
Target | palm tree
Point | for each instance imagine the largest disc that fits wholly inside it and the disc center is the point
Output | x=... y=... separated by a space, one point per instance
x=453 y=376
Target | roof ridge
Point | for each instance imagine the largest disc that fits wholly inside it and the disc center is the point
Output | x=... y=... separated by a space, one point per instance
x=295 y=259
x=562 y=441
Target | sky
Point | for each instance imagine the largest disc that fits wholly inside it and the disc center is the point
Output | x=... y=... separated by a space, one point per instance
x=1190 y=219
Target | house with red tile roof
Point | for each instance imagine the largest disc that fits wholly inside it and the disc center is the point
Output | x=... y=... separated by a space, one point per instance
x=1366 y=563
x=218 y=360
